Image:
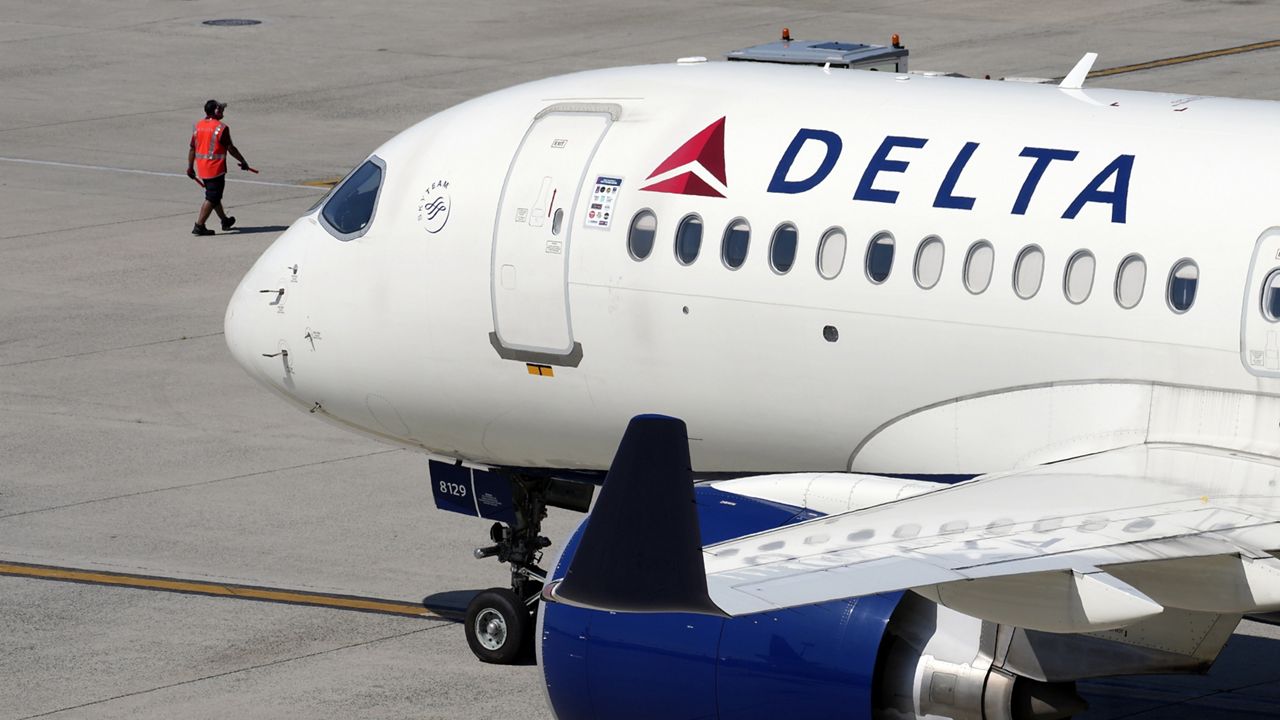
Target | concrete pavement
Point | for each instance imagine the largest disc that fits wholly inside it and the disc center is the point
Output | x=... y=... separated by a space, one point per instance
x=131 y=442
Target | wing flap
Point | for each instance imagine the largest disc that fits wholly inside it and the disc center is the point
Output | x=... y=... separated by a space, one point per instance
x=1061 y=602
x=1009 y=534
x=1223 y=584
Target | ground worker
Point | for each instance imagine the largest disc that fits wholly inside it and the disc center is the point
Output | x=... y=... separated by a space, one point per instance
x=207 y=164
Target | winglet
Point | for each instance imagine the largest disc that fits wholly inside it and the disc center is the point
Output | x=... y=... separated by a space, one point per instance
x=1075 y=79
x=641 y=550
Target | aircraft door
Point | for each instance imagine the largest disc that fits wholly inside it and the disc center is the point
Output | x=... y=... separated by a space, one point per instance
x=1260 y=319
x=531 y=236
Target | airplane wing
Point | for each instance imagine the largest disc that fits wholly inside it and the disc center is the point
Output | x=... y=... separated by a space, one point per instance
x=1083 y=545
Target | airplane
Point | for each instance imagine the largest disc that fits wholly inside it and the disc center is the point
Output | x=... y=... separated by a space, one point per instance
x=935 y=395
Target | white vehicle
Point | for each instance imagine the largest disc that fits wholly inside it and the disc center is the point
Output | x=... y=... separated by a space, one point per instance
x=850 y=286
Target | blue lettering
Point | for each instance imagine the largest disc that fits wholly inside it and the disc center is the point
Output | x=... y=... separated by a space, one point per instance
x=880 y=162
x=780 y=183
x=1043 y=157
x=1116 y=175
x=1118 y=199
x=945 y=198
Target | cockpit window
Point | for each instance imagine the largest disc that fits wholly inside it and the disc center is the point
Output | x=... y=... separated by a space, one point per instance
x=349 y=211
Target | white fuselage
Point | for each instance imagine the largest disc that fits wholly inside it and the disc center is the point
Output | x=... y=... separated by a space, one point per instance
x=421 y=335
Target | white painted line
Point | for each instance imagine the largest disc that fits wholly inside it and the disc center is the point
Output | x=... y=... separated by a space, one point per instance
x=131 y=171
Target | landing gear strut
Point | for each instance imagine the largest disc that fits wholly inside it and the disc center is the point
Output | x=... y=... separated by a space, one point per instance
x=500 y=621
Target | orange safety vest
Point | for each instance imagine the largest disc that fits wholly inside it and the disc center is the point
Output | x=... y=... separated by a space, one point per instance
x=211 y=158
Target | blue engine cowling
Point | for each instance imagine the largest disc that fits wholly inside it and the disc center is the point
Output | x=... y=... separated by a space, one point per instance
x=817 y=661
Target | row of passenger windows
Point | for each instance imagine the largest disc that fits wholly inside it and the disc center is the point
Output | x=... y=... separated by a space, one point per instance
x=977 y=271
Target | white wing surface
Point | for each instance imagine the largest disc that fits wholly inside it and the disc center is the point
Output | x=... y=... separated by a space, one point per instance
x=1082 y=545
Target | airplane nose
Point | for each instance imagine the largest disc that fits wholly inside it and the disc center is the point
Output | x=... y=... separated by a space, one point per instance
x=242 y=325
x=238 y=326
x=260 y=315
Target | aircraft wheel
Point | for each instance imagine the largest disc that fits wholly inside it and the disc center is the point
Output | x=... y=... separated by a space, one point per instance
x=497 y=626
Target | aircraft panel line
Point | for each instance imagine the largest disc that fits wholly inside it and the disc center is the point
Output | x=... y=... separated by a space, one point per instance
x=1229 y=351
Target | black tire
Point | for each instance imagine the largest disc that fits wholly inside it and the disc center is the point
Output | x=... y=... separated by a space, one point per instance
x=497 y=626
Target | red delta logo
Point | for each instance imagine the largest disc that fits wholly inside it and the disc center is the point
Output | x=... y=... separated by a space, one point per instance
x=691 y=169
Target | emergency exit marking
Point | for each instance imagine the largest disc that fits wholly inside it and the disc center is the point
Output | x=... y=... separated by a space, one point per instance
x=540 y=370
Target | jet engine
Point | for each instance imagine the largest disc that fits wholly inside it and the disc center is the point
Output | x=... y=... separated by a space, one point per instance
x=894 y=656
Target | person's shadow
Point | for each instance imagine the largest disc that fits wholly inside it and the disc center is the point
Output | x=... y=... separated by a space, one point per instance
x=258 y=229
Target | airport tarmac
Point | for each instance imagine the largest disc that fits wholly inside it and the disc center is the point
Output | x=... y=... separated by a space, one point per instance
x=130 y=442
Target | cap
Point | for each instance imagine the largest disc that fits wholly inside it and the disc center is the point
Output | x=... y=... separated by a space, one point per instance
x=212 y=105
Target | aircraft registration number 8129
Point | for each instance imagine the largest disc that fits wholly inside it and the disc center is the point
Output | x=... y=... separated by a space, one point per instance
x=454 y=489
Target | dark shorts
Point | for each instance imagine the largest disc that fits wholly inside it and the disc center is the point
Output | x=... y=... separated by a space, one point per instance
x=213 y=188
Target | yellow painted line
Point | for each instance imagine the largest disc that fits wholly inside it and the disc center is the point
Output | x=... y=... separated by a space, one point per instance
x=1194 y=57
x=200 y=587
x=325 y=183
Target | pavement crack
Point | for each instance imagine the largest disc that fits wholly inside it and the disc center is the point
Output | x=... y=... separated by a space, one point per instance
x=113 y=349
x=129 y=221
x=57 y=123
x=201 y=482
x=237 y=671
x=96 y=225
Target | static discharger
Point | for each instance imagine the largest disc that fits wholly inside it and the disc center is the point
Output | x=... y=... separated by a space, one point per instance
x=542 y=370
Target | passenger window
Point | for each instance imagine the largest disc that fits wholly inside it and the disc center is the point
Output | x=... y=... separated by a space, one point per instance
x=1028 y=271
x=831 y=251
x=644 y=227
x=880 y=258
x=1182 y=285
x=1131 y=280
x=1077 y=281
x=979 y=264
x=929 y=259
x=349 y=211
x=782 y=248
x=1271 y=296
x=733 y=249
x=688 y=239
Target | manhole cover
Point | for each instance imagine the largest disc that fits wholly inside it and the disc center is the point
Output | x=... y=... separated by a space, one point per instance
x=231 y=22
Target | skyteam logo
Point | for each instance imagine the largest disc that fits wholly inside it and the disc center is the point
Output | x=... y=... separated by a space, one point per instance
x=696 y=168
x=433 y=207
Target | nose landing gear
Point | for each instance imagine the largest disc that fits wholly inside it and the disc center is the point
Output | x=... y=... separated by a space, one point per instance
x=499 y=627
x=500 y=621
